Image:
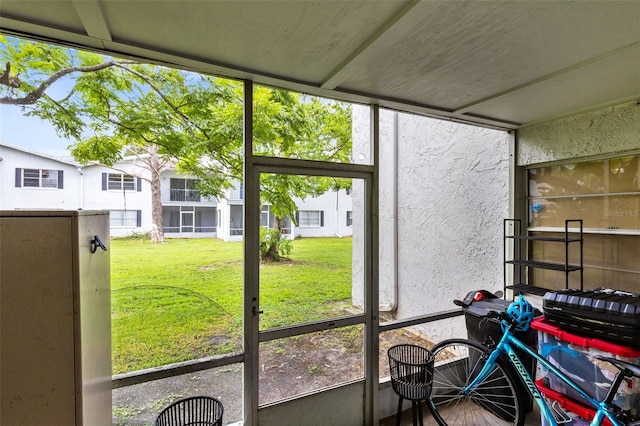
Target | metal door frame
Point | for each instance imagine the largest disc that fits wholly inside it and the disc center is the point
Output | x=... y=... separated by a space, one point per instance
x=253 y=167
x=192 y=213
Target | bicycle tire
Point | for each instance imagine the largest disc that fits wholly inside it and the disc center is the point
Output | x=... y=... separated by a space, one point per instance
x=494 y=402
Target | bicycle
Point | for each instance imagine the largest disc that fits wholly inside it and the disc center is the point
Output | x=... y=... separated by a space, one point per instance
x=485 y=391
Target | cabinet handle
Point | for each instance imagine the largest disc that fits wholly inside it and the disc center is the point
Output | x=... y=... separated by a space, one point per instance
x=95 y=243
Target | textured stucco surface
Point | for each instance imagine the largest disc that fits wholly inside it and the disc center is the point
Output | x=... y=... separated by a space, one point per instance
x=452 y=194
x=606 y=131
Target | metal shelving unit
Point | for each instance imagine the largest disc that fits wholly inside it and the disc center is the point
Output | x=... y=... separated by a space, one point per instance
x=512 y=230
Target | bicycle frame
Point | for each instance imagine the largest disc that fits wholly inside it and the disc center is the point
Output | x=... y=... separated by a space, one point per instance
x=506 y=346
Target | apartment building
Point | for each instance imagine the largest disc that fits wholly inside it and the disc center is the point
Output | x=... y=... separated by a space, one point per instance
x=32 y=180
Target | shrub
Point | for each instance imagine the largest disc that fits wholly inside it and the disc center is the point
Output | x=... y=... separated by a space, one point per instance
x=273 y=245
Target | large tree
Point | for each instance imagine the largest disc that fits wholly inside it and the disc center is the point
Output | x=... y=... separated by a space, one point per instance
x=289 y=125
x=167 y=117
x=112 y=108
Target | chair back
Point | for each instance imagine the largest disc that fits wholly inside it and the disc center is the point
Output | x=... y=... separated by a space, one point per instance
x=411 y=370
x=192 y=411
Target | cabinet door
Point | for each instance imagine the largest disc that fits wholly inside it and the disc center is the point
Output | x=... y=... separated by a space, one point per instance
x=94 y=321
x=37 y=381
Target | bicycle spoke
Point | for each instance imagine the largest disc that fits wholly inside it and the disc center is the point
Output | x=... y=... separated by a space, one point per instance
x=493 y=401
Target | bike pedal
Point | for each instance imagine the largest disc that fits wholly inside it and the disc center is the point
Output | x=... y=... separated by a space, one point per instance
x=559 y=413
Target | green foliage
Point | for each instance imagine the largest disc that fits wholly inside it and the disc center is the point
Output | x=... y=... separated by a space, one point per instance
x=273 y=245
x=105 y=150
x=118 y=107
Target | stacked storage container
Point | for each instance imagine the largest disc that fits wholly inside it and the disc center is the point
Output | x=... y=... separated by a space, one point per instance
x=575 y=356
x=610 y=315
x=579 y=415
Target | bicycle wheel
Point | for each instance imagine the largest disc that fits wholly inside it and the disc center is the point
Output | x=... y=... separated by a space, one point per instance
x=495 y=400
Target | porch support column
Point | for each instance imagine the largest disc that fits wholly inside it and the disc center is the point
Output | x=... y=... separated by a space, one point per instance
x=371 y=290
x=251 y=265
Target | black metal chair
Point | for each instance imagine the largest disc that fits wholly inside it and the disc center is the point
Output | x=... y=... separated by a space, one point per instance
x=411 y=370
x=192 y=411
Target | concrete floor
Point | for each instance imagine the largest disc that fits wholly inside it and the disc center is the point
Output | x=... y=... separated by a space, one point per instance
x=533 y=418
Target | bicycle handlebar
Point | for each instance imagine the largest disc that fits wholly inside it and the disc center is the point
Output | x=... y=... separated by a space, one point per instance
x=501 y=315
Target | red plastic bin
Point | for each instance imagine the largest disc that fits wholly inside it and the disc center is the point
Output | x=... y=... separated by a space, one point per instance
x=585 y=414
x=575 y=356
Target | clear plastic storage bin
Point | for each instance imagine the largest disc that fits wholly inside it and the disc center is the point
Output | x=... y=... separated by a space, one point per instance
x=575 y=356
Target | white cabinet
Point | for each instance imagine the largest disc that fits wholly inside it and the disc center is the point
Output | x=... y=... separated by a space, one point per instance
x=55 y=330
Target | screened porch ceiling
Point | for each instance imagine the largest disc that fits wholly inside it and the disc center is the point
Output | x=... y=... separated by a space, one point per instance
x=497 y=63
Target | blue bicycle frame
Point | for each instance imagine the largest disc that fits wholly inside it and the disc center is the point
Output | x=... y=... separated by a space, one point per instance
x=506 y=346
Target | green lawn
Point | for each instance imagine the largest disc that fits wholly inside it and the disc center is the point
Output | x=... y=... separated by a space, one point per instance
x=183 y=299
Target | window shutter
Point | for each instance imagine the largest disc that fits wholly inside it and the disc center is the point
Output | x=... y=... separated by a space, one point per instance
x=60 y=179
x=138 y=184
x=297 y=218
x=138 y=218
x=322 y=218
x=104 y=181
x=18 y=178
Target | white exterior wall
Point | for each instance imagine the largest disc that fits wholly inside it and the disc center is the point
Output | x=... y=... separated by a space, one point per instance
x=613 y=130
x=444 y=236
x=335 y=207
x=230 y=218
x=97 y=199
x=231 y=214
x=11 y=198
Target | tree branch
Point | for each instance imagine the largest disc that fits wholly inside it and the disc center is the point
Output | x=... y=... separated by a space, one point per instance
x=171 y=105
x=33 y=96
x=157 y=90
x=6 y=78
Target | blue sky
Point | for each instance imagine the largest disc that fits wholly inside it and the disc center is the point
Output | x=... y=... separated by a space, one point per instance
x=30 y=132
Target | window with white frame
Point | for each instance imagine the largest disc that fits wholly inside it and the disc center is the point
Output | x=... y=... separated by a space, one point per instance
x=120 y=182
x=184 y=190
x=265 y=216
x=310 y=218
x=39 y=178
x=125 y=218
x=349 y=218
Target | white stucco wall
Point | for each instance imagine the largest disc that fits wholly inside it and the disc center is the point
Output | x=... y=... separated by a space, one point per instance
x=452 y=195
x=12 y=197
x=607 y=131
x=83 y=190
x=97 y=199
x=335 y=207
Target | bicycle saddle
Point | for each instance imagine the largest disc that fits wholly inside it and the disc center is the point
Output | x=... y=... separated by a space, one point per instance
x=474 y=296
